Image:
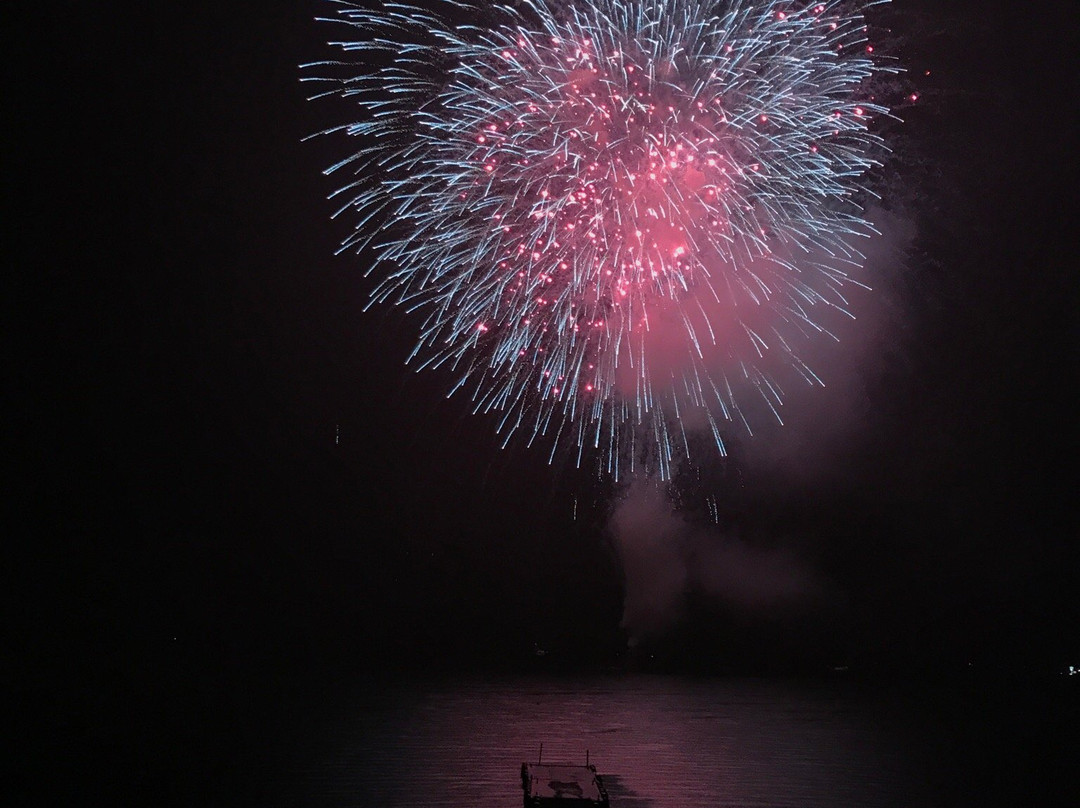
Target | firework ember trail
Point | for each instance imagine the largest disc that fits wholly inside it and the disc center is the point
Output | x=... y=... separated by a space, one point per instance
x=618 y=219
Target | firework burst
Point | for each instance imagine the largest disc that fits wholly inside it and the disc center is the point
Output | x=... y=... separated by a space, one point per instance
x=617 y=217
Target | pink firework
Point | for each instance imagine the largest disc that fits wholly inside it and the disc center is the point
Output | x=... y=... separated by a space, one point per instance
x=621 y=219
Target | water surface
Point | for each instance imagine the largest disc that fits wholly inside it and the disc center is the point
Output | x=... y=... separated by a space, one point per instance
x=659 y=742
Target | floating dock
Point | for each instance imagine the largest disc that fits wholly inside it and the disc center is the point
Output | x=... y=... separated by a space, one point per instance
x=562 y=785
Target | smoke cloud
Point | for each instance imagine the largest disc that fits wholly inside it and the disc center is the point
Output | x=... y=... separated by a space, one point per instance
x=825 y=426
x=665 y=558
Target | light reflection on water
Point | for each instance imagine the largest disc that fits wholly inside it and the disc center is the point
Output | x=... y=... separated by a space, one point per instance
x=659 y=742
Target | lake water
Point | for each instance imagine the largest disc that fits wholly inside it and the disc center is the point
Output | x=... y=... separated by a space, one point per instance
x=659 y=742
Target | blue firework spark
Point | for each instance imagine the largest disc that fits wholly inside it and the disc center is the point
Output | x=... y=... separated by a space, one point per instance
x=617 y=217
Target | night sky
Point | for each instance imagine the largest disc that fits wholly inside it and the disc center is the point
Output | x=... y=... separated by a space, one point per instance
x=222 y=458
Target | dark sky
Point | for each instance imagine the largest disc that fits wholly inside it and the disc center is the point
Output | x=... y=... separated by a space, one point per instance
x=215 y=443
